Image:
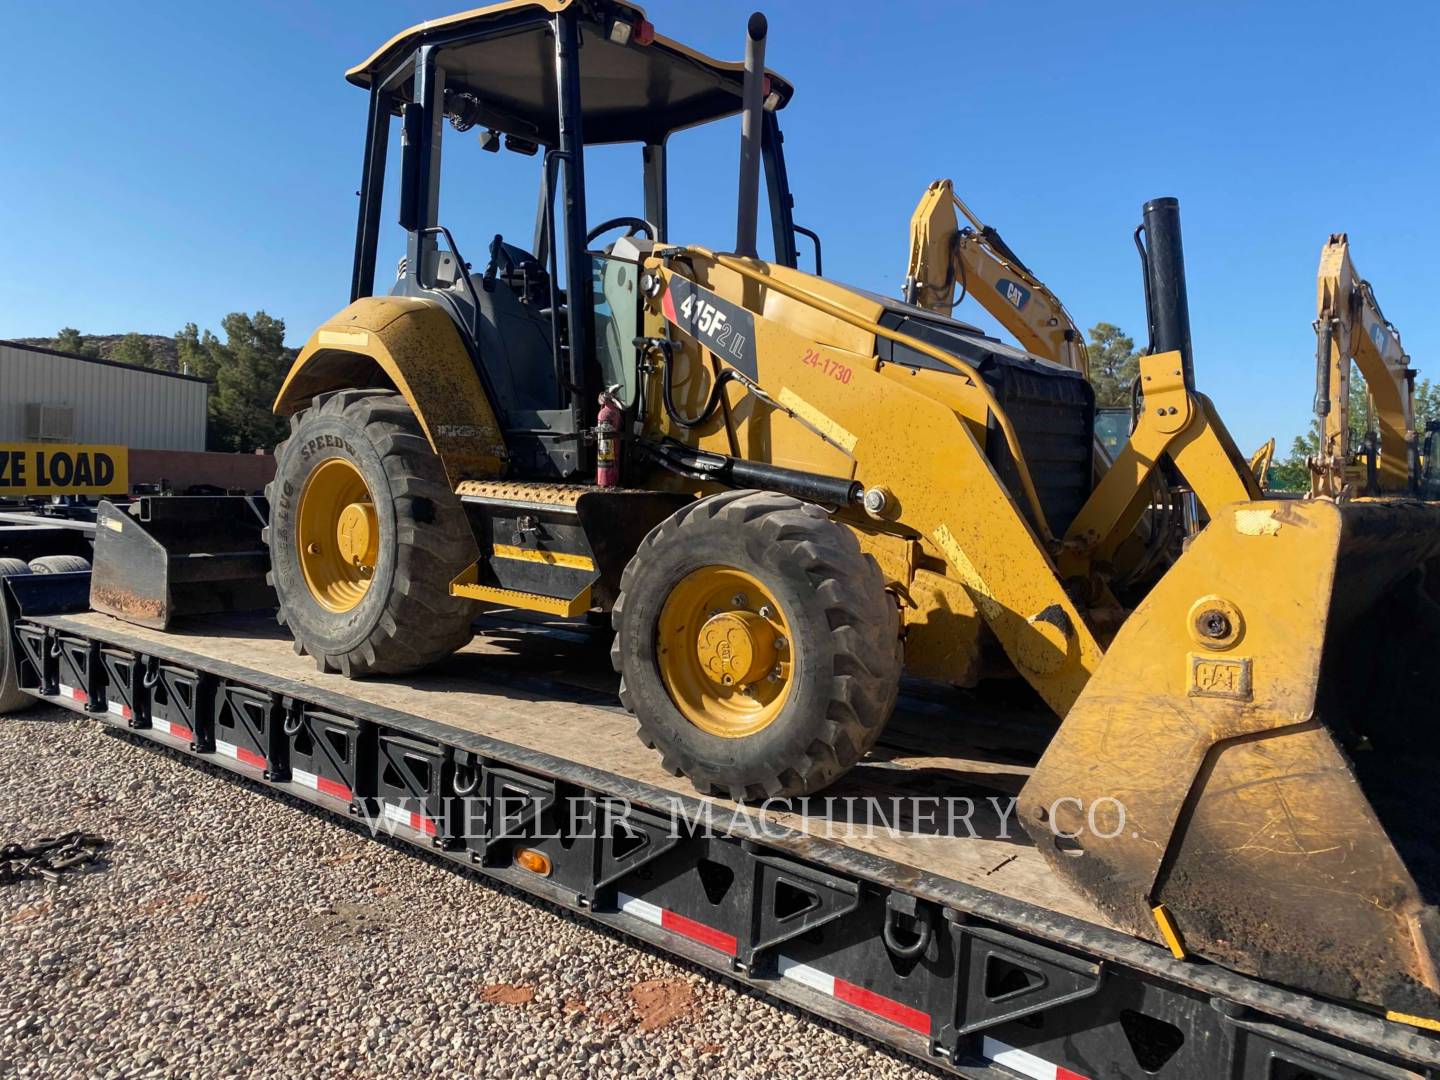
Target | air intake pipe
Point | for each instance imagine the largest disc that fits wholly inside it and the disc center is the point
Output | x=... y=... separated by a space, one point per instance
x=1166 y=305
x=752 y=123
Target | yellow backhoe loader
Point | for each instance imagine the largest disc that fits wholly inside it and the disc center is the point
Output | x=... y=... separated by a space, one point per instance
x=784 y=491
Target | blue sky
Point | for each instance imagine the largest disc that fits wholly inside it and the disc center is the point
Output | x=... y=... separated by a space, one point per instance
x=168 y=162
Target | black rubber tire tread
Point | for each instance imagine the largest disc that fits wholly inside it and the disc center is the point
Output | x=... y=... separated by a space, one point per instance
x=425 y=541
x=850 y=644
x=10 y=567
x=59 y=564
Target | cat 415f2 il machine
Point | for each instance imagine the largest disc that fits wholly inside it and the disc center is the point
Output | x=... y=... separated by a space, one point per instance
x=785 y=491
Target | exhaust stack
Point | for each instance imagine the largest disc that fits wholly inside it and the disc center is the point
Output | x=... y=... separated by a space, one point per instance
x=1167 y=307
x=751 y=124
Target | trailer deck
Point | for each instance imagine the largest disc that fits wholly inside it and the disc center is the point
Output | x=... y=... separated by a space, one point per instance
x=959 y=949
x=551 y=690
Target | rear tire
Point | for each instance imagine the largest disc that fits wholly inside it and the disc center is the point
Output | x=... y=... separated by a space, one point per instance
x=839 y=690
x=400 y=616
x=59 y=564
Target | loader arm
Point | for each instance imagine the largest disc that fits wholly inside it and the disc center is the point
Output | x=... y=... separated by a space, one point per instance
x=943 y=254
x=1350 y=328
x=1176 y=423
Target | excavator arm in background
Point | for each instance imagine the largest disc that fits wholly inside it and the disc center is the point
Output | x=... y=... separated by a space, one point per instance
x=942 y=254
x=1350 y=328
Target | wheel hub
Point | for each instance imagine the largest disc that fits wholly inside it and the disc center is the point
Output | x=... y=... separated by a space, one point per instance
x=357 y=534
x=725 y=651
x=736 y=647
x=337 y=535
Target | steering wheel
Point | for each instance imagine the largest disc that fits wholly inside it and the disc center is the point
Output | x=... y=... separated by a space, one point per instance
x=635 y=224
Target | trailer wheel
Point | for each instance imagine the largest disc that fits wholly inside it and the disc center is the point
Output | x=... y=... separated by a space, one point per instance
x=757 y=646
x=59 y=564
x=365 y=536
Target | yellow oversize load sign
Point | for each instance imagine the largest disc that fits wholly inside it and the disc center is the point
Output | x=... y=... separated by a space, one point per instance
x=63 y=469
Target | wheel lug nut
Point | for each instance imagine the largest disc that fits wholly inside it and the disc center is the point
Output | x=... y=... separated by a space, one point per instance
x=312 y=548
x=765 y=611
x=781 y=644
x=739 y=600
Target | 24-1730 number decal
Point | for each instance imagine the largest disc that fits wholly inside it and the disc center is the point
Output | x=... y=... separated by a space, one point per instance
x=841 y=373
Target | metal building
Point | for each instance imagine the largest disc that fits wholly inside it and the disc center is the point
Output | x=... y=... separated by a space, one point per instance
x=49 y=396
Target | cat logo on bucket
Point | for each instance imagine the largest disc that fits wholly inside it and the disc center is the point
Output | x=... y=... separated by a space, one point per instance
x=63 y=469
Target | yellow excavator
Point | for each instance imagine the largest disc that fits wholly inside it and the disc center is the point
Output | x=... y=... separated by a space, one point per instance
x=1352 y=332
x=975 y=259
x=785 y=491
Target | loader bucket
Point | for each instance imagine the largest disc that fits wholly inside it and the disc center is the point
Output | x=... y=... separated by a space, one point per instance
x=1259 y=752
x=165 y=556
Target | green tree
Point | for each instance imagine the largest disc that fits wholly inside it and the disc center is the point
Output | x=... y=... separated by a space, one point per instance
x=70 y=340
x=134 y=350
x=1427 y=404
x=1293 y=474
x=196 y=353
x=246 y=369
x=1114 y=364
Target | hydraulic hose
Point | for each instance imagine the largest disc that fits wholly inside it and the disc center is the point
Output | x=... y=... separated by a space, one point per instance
x=717 y=387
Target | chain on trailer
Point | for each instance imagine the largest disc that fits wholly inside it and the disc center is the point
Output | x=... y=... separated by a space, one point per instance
x=980 y=985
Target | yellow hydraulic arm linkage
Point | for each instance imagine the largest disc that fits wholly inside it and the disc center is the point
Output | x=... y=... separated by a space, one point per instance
x=943 y=254
x=1350 y=328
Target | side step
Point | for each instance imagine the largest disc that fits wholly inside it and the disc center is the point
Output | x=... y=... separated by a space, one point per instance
x=555 y=548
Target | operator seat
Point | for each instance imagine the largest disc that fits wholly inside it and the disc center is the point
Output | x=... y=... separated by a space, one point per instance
x=513 y=332
x=511 y=326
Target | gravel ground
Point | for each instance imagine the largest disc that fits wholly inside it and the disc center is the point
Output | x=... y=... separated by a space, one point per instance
x=231 y=932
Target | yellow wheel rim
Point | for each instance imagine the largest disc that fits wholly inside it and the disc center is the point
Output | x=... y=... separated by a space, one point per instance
x=337 y=535
x=725 y=652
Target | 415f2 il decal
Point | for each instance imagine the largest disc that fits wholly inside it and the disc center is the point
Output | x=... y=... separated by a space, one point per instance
x=726 y=329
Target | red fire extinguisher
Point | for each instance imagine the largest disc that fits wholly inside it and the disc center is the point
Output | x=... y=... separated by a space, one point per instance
x=607 y=441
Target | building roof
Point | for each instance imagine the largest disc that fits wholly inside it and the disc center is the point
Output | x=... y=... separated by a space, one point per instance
x=97 y=360
x=628 y=91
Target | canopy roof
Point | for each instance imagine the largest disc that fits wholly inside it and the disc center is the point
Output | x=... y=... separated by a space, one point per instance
x=505 y=55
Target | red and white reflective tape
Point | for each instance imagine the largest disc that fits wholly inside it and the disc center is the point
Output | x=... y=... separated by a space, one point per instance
x=1026 y=1063
x=114 y=708
x=677 y=924
x=876 y=1004
x=75 y=694
x=323 y=785
x=174 y=730
x=409 y=818
x=239 y=753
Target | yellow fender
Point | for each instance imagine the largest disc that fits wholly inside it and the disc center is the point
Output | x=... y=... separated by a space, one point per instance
x=413 y=346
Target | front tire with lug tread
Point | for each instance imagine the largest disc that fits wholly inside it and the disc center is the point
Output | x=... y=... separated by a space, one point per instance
x=807 y=602
x=365 y=536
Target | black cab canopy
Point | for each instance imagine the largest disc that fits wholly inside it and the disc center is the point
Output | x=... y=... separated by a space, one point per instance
x=634 y=84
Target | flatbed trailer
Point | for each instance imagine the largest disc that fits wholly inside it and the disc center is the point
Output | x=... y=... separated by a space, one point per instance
x=515 y=760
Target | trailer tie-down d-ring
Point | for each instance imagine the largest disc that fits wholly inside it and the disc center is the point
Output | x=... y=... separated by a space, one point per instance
x=898 y=906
